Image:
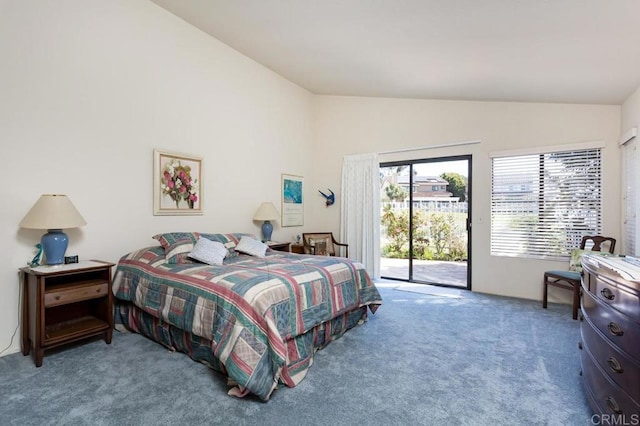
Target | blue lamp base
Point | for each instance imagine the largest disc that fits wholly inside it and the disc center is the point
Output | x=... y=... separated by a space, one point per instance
x=54 y=245
x=267 y=229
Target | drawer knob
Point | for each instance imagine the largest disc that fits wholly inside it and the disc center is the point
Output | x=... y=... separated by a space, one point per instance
x=615 y=329
x=97 y=290
x=607 y=294
x=57 y=297
x=580 y=345
x=615 y=365
x=613 y=405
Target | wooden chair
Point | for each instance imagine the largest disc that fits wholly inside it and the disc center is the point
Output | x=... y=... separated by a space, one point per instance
x=323 y=244
x=571 y=279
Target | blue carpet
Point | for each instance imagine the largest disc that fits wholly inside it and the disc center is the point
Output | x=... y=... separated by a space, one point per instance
x=420 y=360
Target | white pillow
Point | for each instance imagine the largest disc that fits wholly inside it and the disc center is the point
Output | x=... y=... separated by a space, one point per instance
x=253 y=247
x=209 y=252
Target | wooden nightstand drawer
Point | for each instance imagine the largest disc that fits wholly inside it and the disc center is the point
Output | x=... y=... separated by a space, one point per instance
x=297 y=248
x=278 y=246
x=75 y=293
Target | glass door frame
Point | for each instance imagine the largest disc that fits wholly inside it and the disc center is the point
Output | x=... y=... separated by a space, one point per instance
x=411 y=163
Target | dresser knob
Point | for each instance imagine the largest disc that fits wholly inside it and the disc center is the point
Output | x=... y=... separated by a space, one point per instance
x=613 y=405
x=615 y=365
x=615 y=329
x=607 y=294
x=580 y=345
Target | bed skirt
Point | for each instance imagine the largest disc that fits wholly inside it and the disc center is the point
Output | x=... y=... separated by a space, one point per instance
x=300 y=349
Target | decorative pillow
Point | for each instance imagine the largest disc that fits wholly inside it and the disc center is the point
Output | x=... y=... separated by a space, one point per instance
x=177 y=245
x=230 y=241
x=178 y=252
x=575 y=263
x=252 y=246
x=169 y=238
x=207 y=251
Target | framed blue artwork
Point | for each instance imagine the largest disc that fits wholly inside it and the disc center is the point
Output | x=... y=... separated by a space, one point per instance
x=292 y=200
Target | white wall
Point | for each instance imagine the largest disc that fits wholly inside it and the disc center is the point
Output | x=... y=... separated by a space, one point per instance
x=89 y=88
x=350 y=125
x=631 y=112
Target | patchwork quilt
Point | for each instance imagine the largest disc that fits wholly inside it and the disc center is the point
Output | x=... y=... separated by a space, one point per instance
x=263 y=317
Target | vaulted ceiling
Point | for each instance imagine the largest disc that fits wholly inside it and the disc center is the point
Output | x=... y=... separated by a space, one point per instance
x=569 y=51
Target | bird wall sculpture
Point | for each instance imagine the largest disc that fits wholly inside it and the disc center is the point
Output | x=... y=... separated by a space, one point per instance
x=331 y=198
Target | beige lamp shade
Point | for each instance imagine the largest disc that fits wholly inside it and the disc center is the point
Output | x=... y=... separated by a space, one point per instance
x=267 y=211
x=53 y=211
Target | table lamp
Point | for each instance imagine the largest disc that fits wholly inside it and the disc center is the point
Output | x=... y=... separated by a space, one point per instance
x=53 y=212
x=267 y=212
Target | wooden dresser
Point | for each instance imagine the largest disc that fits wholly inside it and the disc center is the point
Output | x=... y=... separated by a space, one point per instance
x=610 y=335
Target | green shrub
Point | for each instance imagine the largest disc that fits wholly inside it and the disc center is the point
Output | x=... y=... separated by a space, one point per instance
x=435 y=235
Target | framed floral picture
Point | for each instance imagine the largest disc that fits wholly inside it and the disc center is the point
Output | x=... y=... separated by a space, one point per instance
x=177 y=184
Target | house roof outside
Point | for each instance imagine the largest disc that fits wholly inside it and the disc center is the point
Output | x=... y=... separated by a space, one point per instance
x=423 y=179
x=427 y=188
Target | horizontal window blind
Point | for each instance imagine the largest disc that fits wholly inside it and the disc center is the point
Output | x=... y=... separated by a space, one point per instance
x=630 y=156
x=543 y=204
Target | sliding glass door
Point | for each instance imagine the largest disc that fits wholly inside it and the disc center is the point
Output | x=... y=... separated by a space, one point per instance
x=425 y=206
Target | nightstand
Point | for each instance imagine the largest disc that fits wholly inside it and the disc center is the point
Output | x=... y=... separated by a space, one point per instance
x=297 y=248
x=279 y=246
x=64 y=304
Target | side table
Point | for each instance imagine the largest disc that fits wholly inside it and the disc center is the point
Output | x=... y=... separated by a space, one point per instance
x=278 y=246
x=64 y=304
x=297 y=248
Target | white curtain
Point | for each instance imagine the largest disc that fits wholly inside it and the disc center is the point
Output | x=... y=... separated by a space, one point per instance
x=360 y=210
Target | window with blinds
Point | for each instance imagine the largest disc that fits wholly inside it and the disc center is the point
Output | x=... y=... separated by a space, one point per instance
x=543 y=204
x=630 y=159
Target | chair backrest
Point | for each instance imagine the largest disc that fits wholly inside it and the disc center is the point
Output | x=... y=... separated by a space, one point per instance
x=320 y=243
x=597 y=243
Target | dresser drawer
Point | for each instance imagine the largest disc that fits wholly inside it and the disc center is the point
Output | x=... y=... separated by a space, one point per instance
x=622 y=370
x=609 y=397
x=617 y=296
x=75 y=293
x=618 y=328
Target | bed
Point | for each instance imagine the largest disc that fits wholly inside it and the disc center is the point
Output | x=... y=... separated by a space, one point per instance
x=257 y=320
